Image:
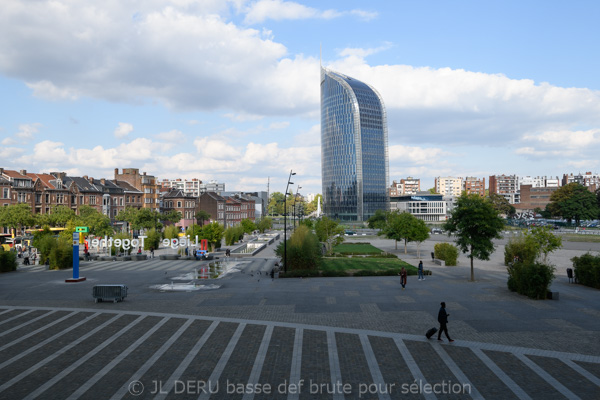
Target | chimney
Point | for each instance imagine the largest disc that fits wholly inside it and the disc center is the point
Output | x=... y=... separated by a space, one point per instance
x=103 y=181
x=23 y=172
x=91 y=180
x=85 y=177
x=116 y=172
x=1 y=171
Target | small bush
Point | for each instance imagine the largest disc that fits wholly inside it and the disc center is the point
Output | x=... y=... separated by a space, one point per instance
x=523 y=248
x=587 y=270
x=8 y=260
x=531 y=280
x=152 y=240
x=61 y=255
x=447 y=252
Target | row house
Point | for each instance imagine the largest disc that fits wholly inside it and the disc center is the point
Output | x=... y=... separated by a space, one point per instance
x=178 y=200
x=230 y=210
x=145 y=183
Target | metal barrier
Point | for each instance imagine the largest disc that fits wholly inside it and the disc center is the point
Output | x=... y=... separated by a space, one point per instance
x=112 y=293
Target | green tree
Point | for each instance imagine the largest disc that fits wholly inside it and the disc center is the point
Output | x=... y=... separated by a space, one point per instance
x=264 y=224
x=476 y=223
x=213 y=232
x=276 y=203
x=574 y=202
x=147 y=219
x=312 y=206
x=329 y=232
x=404 y=226
x=420 y=234
x=172 y=216
x=171 y=232
x=248 y=225
x=98 y=223
x=501 y=204
x=202 y=216
x=60 y=215
x=16 y=217
x=377 y=220
x=546 y=241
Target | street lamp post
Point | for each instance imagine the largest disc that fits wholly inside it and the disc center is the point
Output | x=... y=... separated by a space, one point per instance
x=285 y=221
x=294 y=210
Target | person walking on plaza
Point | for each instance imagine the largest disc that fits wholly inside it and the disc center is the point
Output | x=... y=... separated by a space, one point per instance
x=443 y=320
x=403 y=278
x=420 y=268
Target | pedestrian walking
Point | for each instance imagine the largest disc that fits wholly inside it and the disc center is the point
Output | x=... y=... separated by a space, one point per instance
x=403 y=278
x=420 y=268
x=151 y=251
x=443 y=320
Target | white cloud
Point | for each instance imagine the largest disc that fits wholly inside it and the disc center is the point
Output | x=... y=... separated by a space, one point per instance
x=415 y=155
x=49 y=152
x=279 y=125
x=27 y=131
x=243 y=117
x=8 y=141
x=123 y=130
x=278 y=10
x=216 y=149
x=171 y=137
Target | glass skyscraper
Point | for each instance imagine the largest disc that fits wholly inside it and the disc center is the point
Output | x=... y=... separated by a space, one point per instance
x=354 y=153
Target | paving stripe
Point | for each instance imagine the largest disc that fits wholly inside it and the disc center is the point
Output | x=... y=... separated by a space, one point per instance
x=582 y=371
x=516 y=389
x=218 y=370
x=258 y=362
x=30 y=334
x=296 y=364
x=334 y=364
x=152 y=360
x=53 y=356
x=185 y=363
x=79 y=361
x=374 y=368
x=100 y=374
x=5 y=311
x=462 y=378
x=28 y=322
x=412 y=365
x=547 y=377
x=16 y=316
x=41 y=344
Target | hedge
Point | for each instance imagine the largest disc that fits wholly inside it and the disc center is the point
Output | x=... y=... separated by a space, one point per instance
x=8 y=261
x=531 y=280
x=587 y=270
x=447 y=252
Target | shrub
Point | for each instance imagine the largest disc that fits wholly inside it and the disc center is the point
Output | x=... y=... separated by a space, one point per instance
x=298 y=273
x=152 y=239
x=8 y=260
x=121 y=250
x=447 y=252
x=45 y=243
x=522 y=247
x=587 y=270
x=303 y=250
x=531 y=280
x=61 y=255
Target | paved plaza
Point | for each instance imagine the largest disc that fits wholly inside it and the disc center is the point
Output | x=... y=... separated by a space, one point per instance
x=250 y=337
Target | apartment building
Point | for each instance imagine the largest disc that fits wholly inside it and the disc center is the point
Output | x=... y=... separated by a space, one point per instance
x=423 y=205
x=190 y=187
x=540 y=181
x=178 y=200
x=473 y=185
x=448 y=186
x=588 y=179
x=147 y=184
x=506 y=186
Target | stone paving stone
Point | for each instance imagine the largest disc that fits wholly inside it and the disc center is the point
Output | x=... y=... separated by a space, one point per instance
x=29 y=327
x=590 y=367
x=203 y=364
x=354 y=367
x=158 y=375
x=315 y=366
x=432 y=367
x=10 y=314
x=240 y=363
x=484 y=380
x=119 y=375
x=523 y=376
x=22 y=319
x=49 y=370
x=566 y=375
x=393 y=368
x=278 y=361
x=81 y=374
x=18 y=348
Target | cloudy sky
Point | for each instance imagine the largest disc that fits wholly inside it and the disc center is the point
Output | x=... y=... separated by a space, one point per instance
x=229 y=90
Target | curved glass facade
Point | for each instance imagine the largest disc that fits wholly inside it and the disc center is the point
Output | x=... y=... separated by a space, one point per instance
x=354 y=156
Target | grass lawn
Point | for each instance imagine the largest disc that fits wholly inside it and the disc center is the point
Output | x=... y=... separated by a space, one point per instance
x=386 y=266
x=356 y=248
x=572 y=237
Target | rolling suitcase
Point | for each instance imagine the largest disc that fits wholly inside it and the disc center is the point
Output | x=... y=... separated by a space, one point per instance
x=431 y=332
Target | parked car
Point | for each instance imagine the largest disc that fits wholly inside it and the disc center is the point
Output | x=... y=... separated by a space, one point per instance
x=437 y=231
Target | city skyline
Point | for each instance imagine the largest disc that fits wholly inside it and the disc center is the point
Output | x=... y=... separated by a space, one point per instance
x=228 y=91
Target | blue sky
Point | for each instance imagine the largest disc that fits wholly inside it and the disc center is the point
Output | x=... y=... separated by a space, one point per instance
x=229 y=90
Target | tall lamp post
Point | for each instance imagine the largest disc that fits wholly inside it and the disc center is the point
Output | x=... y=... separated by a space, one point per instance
x=285 y=221
x=294 y=211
